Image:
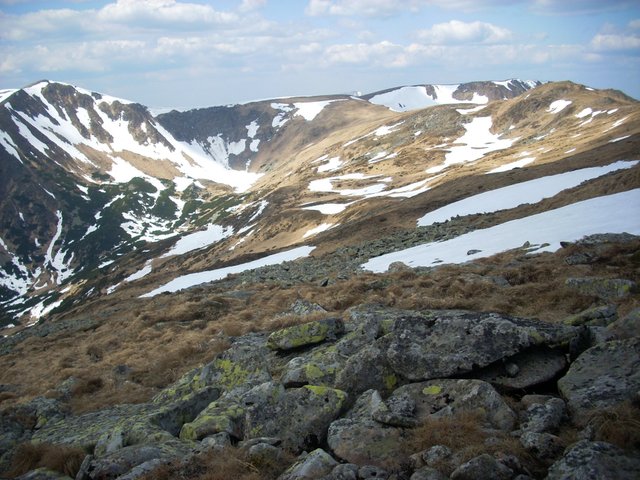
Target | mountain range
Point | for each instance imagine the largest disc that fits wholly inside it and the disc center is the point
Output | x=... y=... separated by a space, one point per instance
x=103 y=199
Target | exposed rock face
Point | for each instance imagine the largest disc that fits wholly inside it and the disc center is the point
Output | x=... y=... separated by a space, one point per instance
x=603 y=376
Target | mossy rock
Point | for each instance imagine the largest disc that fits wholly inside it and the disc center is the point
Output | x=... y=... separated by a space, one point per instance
x=216 y=418
x=305 y=334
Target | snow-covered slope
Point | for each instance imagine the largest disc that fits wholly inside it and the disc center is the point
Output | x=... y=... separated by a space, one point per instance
x=403 y=99
x=102 y=198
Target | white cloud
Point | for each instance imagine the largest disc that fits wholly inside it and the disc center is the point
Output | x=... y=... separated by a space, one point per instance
x=612 y=42
x=458 y=32
x=635 y=24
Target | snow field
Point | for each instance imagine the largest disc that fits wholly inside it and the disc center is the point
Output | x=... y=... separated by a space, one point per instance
x=511 y=196
x=607 y=214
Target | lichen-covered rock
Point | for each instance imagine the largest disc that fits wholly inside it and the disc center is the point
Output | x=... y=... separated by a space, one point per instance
x=532 y=367
x=317 y=367
x=368 y=369
x=367 y=472
x=344 y=471
x=366 y=442
x=543 y=416
x=601 y=316
x=543 y=446
x=43 y=474
x=309 y=466
x=125 y=459
x=427 y=473
x=437 y=398
x=305 y=334
x=442 y=343
x=604 y=288
x=264 y=455
x=595 y=461
x=627 y=326
x=482 y=467
x=235 y=371
x=602 y=376
x=217 y=417
x=298 y=416
x=87 y=430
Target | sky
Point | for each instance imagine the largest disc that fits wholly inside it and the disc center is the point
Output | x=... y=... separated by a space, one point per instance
x=186 y=54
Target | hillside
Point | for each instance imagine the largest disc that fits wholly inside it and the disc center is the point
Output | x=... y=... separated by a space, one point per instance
x=335 y=275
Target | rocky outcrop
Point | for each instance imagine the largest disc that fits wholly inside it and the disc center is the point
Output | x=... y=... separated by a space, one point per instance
x=348 y=396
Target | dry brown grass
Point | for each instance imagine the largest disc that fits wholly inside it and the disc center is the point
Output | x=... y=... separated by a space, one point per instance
x=619 y=425
x=464 y=435
x=61 y=458
x=230 y=463
x=160 y=339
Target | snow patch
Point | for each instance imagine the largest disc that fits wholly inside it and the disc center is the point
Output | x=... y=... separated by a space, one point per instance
x=476 y=142
x=511 y=196
x=192 y=279
x=558 y=106
x=197 y=240
x=544 y=231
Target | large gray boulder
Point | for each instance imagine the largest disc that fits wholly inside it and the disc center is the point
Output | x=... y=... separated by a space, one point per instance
x=300 y=417
x=595 y=461
x=310 y=466
x=366 y=442
x=603 y=288
x=442 y=343
x=438 y=398
x=601 y=377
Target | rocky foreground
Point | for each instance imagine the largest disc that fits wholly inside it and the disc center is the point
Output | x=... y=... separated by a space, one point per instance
x=377 y=392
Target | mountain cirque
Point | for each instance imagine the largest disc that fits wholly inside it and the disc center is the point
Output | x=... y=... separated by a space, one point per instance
x=517 y=361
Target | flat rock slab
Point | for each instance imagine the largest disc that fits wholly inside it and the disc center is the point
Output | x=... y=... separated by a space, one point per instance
x=451 y=342
x=603 y=376
x=525 y=369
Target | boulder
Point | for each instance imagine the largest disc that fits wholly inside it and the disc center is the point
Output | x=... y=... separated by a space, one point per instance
x=125 y=459
x=111 y=428
x=603 y=376
x=43 y=474
x=344 y=471
x=367 y=472
x=524 y=370
x=543 y=446
x=442 y=343
x=596 y=316
x=437 y=398
x=368 y=369
x=603 y=288
x=317 y=367
x=544 y=416
x=305 y=334
x=427 y=473
x=310 y=466
x=298 y=416
x=218 y=417
x=587 y=460
x=233 y=372
x=482 y=467
x=366 y=442
x=627 y=326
